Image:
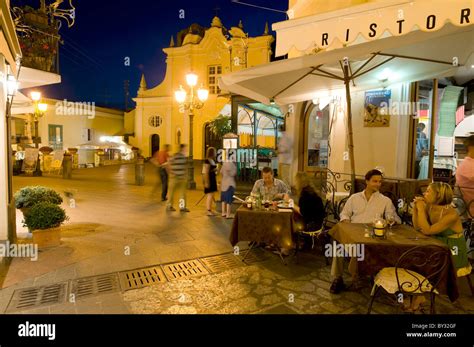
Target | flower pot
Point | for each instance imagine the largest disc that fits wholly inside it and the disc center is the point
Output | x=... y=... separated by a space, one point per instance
x=47 y=237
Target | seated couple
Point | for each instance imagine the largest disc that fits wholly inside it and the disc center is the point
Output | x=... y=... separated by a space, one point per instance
x=309 y=206
x=433 y=215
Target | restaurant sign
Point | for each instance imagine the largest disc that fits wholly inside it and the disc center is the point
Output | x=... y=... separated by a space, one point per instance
x=370 y=21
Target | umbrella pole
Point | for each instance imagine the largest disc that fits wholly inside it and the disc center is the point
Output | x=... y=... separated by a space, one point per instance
x=347 y=80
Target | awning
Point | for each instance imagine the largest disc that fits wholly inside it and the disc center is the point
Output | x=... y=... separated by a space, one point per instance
x=415 y=56
x=368 y=22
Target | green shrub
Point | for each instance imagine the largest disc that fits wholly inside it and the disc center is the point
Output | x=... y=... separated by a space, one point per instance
x=30 y=196
x=45 y=215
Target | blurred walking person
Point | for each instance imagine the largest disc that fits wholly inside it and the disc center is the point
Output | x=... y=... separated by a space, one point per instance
x=161 y=161
x=228 y=185
x=178 y=165
x=209 y=170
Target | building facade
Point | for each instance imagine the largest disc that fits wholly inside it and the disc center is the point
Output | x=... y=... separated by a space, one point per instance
x=208 y=52
x=410 y=56
x=10 y=55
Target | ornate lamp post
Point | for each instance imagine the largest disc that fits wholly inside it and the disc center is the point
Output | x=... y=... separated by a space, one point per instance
x=191 y=103
x=40 y=109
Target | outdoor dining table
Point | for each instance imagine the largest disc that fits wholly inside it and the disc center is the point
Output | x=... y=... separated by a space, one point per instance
x=384 y=252
x=263 y=226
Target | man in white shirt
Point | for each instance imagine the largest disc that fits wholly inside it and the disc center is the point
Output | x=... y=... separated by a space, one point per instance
x=362 y=207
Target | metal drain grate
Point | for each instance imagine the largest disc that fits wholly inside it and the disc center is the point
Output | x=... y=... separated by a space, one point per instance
x=255 y=255
x=89 y=286
x=30 y=298
x=141 y=277
x=222 y=262
x=184 y=269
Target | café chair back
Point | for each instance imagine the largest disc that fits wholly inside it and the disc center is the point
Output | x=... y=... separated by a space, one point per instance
x=417 y=272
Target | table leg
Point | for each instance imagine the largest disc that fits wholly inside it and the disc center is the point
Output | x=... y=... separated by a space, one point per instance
x=252 y=244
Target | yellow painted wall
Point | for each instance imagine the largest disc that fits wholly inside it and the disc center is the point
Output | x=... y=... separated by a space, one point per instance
x=303 y=8
x=159 y=100
x=107 y=122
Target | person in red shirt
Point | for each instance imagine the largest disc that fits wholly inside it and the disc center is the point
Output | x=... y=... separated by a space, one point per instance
x=161 y=159
x=465 y=175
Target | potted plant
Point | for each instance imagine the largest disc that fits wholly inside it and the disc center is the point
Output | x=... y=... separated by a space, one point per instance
x=45 y=219
x=29 y=196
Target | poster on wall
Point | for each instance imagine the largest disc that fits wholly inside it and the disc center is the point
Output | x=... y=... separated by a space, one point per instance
x=30 y=160
x=376 y=108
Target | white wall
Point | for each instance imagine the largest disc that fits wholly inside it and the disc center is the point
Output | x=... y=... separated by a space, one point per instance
x=381 y=146
x=378 y=146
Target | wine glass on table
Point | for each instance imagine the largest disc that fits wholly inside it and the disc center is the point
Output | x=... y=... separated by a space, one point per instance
x=391 y=222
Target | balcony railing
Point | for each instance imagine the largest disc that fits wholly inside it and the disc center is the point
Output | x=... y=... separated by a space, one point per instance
x=38 y=37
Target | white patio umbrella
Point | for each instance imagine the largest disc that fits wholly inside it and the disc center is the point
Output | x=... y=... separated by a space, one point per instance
x=412 y=57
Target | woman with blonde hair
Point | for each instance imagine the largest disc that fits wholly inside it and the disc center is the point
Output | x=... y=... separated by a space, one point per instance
x=434 y=216
x=209 y=170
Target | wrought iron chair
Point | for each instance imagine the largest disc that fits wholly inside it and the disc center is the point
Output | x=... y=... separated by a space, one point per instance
x=405 y=278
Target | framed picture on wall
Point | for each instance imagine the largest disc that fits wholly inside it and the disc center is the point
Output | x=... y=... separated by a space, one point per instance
x=376 y=108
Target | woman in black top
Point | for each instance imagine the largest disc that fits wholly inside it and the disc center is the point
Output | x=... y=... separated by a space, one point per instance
x=209 y=170
x=310 y=205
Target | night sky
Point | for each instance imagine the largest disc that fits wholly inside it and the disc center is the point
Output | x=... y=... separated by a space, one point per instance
x=106 y=31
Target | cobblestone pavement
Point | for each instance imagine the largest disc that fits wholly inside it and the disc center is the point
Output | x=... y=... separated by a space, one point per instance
x=118 y=226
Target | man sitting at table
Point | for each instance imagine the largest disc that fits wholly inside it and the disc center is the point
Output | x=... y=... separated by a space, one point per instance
x=362 y=207
x=269 y=187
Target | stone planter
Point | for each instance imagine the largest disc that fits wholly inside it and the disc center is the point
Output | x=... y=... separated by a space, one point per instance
x=47 y=237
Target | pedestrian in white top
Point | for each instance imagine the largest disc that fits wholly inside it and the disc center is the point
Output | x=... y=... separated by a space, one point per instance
x=362 y=207
x=285 y=148
x=228 y=185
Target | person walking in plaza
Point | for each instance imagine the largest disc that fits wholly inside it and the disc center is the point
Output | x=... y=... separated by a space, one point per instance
x=161 y=160
x=228 y=185
x=209 y=170
x=178 y=168
x=362 y=207
x=285 y=147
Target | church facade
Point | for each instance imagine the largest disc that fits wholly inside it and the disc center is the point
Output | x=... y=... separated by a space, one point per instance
x=210 y=52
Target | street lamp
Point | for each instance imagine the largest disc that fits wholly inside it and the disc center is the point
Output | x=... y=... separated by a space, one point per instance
x=40 y=109
x=191 y=103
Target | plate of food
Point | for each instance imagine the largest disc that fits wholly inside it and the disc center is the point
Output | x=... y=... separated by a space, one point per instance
x=284 y=205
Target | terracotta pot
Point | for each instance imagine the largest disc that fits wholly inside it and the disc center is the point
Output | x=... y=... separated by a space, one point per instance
x=46 y=238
